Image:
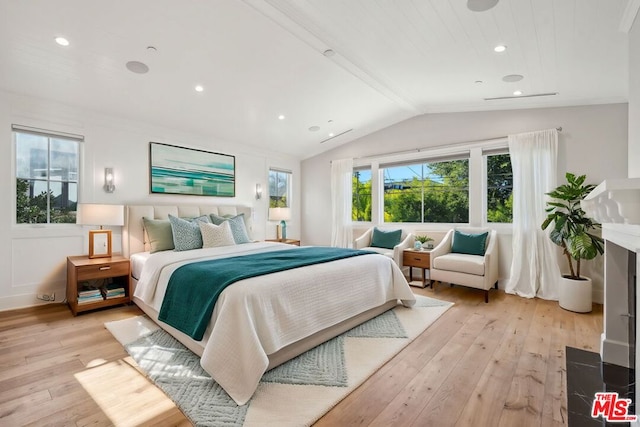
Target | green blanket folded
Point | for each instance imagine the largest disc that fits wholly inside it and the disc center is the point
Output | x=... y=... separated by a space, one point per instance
x=194 y=288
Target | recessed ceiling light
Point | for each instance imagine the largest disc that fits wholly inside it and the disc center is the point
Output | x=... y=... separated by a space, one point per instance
x=479 y=82
x=281 y=117
x=331 y=134
x=62 y=41
x=199 y=88
x=481 y=5
x=512 y=78
x=500 y=48
x=517 y=92
x=152 y=49
x=329 y=53
x=137 y=67
x=314 y=128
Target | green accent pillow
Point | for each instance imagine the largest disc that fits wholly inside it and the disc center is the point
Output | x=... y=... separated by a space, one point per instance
x=238 y=227
x=385 y=239
x=471 y=244
x=159 y=234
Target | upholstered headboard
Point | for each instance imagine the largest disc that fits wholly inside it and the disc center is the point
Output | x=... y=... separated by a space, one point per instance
x=133 y=235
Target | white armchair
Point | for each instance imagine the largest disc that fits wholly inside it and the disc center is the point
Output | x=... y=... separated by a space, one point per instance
x=475 y=271
x=406 y=242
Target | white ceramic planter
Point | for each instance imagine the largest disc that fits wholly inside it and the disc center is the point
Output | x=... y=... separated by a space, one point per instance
x=575 y=295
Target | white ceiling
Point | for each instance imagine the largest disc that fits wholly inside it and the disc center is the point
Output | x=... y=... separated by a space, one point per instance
x=258 y=59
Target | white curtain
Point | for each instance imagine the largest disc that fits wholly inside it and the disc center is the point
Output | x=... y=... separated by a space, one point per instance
x=534 y=268
x=341 y=187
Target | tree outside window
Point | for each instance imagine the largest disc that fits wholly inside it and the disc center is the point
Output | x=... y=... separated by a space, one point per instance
x=46 y=178
x=436 y=192
x=361 y=195
x=279 y=188
x=499 y=188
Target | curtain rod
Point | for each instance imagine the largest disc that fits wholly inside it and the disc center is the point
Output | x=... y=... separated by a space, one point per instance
x=418 y=150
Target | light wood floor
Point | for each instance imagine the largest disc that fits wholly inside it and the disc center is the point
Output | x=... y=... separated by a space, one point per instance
x=496 y=364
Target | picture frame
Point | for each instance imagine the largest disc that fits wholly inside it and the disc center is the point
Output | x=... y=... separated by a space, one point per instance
x=99 y=243
x=190 y=171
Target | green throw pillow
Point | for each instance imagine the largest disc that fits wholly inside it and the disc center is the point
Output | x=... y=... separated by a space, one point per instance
x=385 y=239
x=159 y=233
x=471 y=244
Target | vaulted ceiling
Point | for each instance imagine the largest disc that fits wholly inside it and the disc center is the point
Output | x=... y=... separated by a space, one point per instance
x=342 y=67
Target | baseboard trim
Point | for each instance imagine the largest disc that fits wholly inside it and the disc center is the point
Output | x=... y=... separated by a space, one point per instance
x=15 y=302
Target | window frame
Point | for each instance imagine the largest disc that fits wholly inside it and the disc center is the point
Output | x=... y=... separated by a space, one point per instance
x=477 y=180
x=360 y=169
x=421 y=161
x=50 y=135
x=485 y=176
x=289 y=190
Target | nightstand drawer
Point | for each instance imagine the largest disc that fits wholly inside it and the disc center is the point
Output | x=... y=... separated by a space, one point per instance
x=416 y=259
x=101 y=271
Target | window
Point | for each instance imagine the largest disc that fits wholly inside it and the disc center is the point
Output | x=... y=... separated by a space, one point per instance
x=499 y=188
x=436 y=191
x=279 y=188
x=361 y=195
x=46 y=177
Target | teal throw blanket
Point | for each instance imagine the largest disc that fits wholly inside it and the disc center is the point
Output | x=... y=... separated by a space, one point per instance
x=194 y=288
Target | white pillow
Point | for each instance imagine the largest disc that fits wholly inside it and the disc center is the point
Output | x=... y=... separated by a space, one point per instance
x=216 y=235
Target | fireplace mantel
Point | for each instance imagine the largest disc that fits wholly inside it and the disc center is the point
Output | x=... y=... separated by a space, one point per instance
x=614 y=201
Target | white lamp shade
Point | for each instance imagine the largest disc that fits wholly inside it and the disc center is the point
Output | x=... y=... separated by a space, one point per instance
x=279 y=214
x=95 y=214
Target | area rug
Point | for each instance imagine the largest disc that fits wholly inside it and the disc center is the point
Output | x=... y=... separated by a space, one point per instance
x=296 y=393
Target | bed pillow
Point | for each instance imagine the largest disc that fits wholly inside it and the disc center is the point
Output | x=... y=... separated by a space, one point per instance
x=216 y=235
x=471 y=244
x=159 y=234
x=237 y=225
x=186 y=232
x=385 y=239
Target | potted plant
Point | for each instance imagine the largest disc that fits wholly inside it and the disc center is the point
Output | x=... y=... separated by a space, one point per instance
x=423 y=240
x=573 y=232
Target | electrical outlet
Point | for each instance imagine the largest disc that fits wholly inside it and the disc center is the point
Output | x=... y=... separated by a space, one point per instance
x=47 y=297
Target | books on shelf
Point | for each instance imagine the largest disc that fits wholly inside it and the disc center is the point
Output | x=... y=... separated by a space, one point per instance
x=90 y=292
x=87 y=296
x=114 y=293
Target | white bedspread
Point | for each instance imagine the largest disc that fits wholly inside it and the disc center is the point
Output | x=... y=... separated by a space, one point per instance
x=259 y=316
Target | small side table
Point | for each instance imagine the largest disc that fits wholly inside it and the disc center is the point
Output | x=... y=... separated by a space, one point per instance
x=83 y=269
x=287 y=241
x=419 y=259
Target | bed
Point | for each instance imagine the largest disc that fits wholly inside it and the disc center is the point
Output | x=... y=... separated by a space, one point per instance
x=261 y=322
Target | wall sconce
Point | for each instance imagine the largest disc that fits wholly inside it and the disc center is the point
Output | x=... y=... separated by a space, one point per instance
x=258 y=191
x=108 y=180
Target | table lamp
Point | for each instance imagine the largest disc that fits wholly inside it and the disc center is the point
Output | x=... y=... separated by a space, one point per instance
x=280 y=214
x=96 y=214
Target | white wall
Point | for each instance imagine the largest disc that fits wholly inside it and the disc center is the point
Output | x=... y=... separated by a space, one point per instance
x=33 y=258
x=593 y=141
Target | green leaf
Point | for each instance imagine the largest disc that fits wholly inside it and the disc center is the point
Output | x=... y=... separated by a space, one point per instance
x=556 y=237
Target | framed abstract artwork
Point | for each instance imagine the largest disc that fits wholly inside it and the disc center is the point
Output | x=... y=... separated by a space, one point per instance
x=180 y=170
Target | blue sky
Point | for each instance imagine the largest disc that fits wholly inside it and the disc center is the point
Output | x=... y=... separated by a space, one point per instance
x=397 y=173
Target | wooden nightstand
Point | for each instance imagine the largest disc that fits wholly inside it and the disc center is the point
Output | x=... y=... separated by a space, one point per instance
x=287 y=241
x=420 y=259
x=85 y=276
